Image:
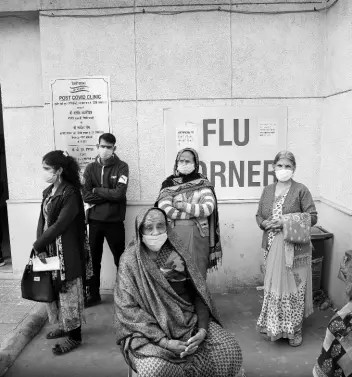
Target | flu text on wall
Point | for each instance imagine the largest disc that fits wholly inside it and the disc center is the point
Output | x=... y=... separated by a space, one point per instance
x=236 y=145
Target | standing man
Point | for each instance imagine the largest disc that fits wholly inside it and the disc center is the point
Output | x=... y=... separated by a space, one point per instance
x=104 y=191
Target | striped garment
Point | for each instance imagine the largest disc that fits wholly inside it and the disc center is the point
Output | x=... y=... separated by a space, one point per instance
x=200 y=205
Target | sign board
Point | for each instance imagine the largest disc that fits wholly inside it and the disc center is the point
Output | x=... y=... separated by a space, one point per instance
x=81 y=111
x=236 y=145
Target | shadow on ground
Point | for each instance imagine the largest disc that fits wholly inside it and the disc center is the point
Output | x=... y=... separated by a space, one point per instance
x=99 y=355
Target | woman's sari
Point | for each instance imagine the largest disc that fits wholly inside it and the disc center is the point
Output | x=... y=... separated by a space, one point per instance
x=147 y=309
x=288 y=279
x=335 y=359
x=199 y=245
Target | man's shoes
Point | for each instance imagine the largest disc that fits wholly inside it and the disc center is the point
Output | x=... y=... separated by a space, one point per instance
x=93 y=302
x=2 y=262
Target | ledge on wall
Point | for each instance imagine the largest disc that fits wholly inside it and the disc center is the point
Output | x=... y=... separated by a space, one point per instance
x=52 y=5
x=142 y=203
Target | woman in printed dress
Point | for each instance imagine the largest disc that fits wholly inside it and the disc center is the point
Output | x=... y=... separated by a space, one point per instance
x=286 y=212
x=166 y=322
x=61 y=232
x=189 y=200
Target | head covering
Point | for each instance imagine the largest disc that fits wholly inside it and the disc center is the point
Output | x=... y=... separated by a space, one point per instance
x=179 y=183
x=182 y=178
x=196 y=160
x=147 y=308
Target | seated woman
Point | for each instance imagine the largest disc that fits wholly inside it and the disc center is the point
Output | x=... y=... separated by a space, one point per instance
x=336 y=357
x=166 y=322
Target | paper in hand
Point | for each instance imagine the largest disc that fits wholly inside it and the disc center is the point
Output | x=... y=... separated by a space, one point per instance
x=52 y=264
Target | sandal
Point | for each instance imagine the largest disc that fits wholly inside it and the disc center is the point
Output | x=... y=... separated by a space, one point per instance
x=56 y=334
x=66 y=346
x=297 y=340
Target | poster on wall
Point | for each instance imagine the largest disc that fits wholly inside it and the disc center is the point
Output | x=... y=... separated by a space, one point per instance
x=187 y=136
x=81 y=111
x=236 y=145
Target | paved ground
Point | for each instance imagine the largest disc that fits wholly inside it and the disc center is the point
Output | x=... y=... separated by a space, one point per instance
x=8 y=266
x=99 y=355
x=13 y=309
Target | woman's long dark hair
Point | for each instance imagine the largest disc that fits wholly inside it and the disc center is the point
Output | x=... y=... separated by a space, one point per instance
x=69 y=165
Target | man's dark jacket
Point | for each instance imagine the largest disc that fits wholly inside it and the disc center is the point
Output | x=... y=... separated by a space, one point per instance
x=110 y=186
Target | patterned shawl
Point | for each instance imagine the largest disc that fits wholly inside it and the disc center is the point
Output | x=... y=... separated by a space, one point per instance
x=178 y=184
x=296 y=230
x=147 y=309
x=335 y=358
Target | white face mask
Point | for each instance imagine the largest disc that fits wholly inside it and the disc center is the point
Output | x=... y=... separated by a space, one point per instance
x=185 y=168
x=105 y=153
x=154 y=243
x=283 y=175
x=49 y=177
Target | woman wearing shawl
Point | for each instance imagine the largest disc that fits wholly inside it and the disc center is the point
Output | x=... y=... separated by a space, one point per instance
x=166 y=322
x=189 y=201
x=335 y=359
x=61 y=232
x=286 y=213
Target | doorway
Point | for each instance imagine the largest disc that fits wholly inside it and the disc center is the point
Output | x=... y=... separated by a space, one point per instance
x=4 y=195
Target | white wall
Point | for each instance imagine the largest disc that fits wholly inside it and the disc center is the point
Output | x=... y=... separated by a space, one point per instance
x=26 y=134
x=340 y=224
x=194 y=59
x=336 y=143
x=155 y=60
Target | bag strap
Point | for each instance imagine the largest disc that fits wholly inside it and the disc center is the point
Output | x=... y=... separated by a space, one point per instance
x=31 y=256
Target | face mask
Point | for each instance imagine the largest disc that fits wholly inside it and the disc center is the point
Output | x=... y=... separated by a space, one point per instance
x=283 y=175
x=155 y=243
x=105 y=153
x=185 y=168
x=49 y=177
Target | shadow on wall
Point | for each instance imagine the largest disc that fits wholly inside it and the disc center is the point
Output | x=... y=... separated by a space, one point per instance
x=4 y=194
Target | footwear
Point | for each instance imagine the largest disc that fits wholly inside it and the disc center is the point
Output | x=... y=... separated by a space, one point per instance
x=66 y=346
x=56 y=334
x=297 y=340
x=2 y=262
x=93 y=302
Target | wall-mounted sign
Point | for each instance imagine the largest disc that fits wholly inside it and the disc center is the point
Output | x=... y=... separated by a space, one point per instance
x=236 y=145
x=81 y=111
x=187 y=136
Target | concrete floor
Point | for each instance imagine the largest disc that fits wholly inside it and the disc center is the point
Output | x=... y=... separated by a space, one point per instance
x=13 y=308
x=99 y=355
